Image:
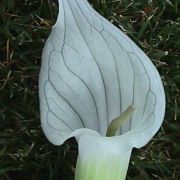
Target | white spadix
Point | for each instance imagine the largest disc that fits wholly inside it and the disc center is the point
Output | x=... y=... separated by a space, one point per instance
x=91 y=73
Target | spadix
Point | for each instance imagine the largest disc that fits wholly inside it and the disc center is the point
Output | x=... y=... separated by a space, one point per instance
x=91 y=73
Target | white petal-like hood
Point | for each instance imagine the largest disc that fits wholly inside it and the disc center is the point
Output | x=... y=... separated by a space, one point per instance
x=91 y=72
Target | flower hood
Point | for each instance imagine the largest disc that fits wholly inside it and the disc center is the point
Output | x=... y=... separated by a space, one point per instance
x=91 y=73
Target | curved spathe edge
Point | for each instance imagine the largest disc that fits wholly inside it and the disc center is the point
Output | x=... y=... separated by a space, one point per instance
x=60 y=14
x=146 y=135
x=128 y=139
x=77 y=134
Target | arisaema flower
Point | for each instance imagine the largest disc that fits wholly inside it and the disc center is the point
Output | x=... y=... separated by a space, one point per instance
x=91 y=74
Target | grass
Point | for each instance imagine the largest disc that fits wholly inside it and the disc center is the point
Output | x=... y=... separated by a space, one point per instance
x=25 y=153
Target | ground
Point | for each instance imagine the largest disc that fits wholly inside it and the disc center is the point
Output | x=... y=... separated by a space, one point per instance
x=25 y=154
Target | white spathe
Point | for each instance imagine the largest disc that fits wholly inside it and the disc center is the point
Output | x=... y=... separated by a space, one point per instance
x=91 y=73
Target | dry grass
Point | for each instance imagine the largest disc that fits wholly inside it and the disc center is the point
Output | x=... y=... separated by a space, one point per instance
x=25 y=154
